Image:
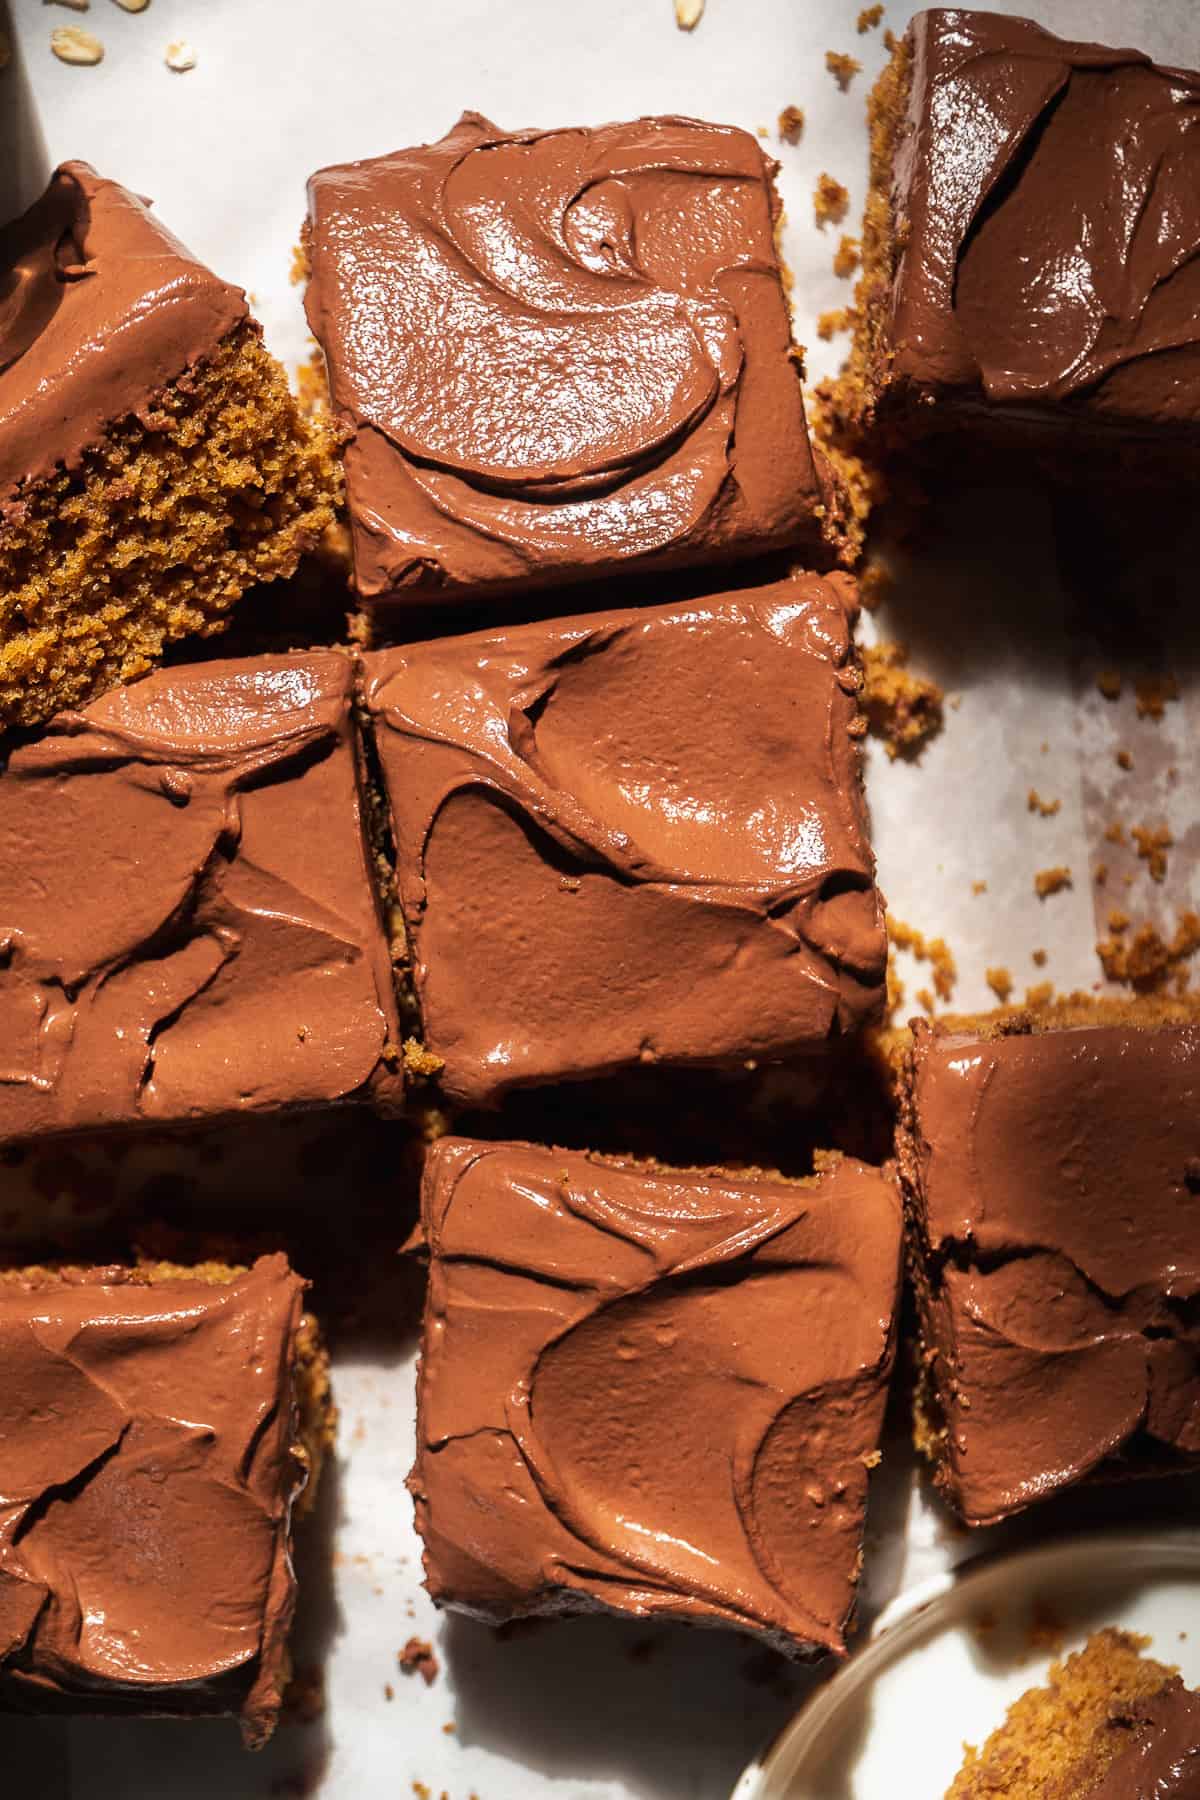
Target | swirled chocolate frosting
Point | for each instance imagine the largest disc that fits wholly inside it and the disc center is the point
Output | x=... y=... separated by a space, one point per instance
x=146 y=1484
x=560 y=352
x=1054 y=1180
x=1046 y=208
x=188 y=923
x=633 y=837
x=1160 y=1757
x=651 y=1390
x=100 y=307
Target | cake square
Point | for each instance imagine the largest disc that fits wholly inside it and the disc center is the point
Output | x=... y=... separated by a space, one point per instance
x=1030 y=275
x=219 y=948
x=153 y=464
x=633 y=837
x=651 y=1391
x=1052 y=1176
x=157 y=1426
x=560 y=354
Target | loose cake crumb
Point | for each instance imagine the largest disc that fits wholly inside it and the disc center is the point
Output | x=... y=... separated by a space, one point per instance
x=71 y=45
x=1124 y=759
x=421 y=1062
x=1039 y=959
x=847 y=257
x=1153 y=842
x=1115 y=833
x=831 y=201
x=1101 y=874
x=389 y=1692
x=889 y=41
x=1118 y=920
x=180 y=56
x=1109 y=683
x=1040 y=995
x=417 y=1658
x=1153 y=694
x=1001 y=984
x=872 y=1459
x=134 y=6
x=449 y=1728
x=843 y=68
x=868 y=19
x=828 y=323
x=924 y=1000
x=1147 y=961
x=688 y=14
x=935 y=951
x=300 y=267
x=791 y=124
x=1051 y=881
x=1047 y=808
x=904 y=711
x=873 y=585
x=979 y=887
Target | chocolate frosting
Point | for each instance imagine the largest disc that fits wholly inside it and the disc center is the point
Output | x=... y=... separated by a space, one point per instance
x=556 y=351
x=1047 y=201
x=100 y=307
x=188 y=926
x=146 y=1485
x=633 y=837
x=1057 y=1214
x=651 y=1390
x=1162 y=1759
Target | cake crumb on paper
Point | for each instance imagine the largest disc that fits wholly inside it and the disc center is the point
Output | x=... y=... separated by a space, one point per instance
x=873 y=586
x=831 y=201
x=688 y=14
x=71 y=45
x=1047 y=808
x=1153 y=842
x=830 y=323
x=935 y=951
x=1124 y=759
x=1040 y=995
x=180 y=56
x=1039 y=959
x=1146 y=961
x=889 y=40
x=1115 y=833
x=903 y=710
x=847 y=257
x=1153 y=694
x=843 y=68
x=1051 y=881
x=1001 y=983
x=868 y=19
x=134 y=6
x=791 y=124
x=1109 y=683
x=979 y=887
x=417 y=1658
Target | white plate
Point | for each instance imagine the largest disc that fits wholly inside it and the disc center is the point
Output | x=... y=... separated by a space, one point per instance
x=945 y=1662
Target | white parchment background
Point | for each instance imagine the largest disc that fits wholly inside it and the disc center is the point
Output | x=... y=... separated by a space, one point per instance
x=282 y=87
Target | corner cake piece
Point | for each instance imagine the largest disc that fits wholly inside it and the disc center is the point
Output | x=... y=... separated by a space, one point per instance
x=1030 y=276
x=651 y=1391
x=153 y=464
x=1111 y=1725
x=158 y=1424
x=633 y=837
x=189 y=926
x=558 y=354
x=1051 y=1163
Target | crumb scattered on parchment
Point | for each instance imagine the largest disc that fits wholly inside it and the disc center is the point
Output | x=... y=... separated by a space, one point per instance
x=389 y=1692
x=688 y=14
x=1153 y=842
x=449 y=1728
x=304 y=1696
x=71 y=45
x=868 y=19
x=300 y=268
x=843 y=68
x=1114 y=833
x=1100 y=874
x=791 y=124
x=1001 y=984
x=420 y=1061
x=979 y=887
x=417 y=1658
x=1051 y=881
x=935 y=951
x=180 y=56
x=924 y=1000
x=829 y=323
x=1039 y=959
x=1039 y=995
x=904 y=711
x=847 y=257
x=1119 y=920
x=133 y=5
x=1146 y=961
x=312 y=385
x=831 y=201
x=873 y=585
x=1124 y=759
x=1047 y=808
x=422 y=1790
x=1154 y=693
x=1109 y=683
x=889 y=40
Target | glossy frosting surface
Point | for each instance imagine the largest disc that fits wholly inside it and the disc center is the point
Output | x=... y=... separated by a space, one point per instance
x=1050 y=193
x=1056 y=1179
x=651 y=1390
x=188 y=925
x=633 y=837
x=557 y=351
x=1162 y=1759
x=100 y=307
x=146 y=1485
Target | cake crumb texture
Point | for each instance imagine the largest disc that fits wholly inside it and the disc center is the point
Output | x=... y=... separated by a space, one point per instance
x=903 y=710
x=831 y=201
x=158 y=533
